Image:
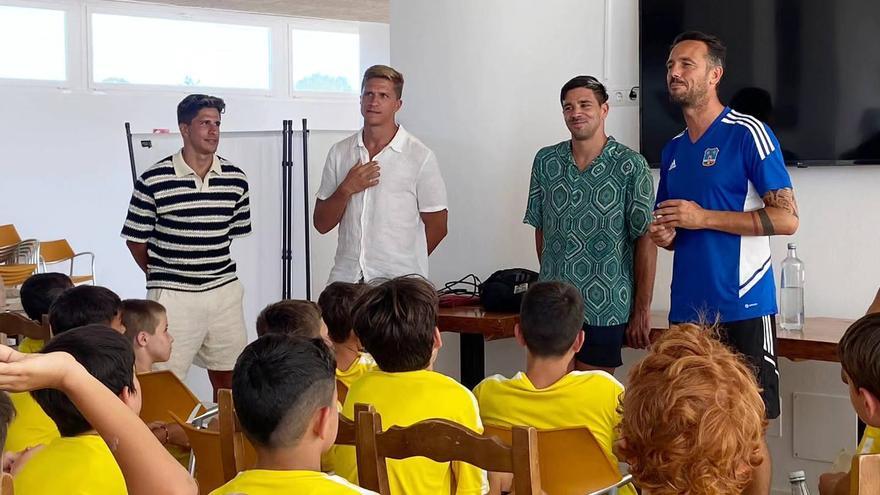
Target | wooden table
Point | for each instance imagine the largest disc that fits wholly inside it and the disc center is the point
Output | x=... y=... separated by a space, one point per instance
x=817 y=342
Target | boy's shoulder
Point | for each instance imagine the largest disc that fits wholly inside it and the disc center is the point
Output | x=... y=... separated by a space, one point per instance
x=575 y=382
x=62 y=462
x=593 y=378
x=259 y=482
x=378 y=383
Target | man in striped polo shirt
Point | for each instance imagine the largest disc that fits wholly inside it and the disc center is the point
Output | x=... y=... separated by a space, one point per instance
x=183 y=215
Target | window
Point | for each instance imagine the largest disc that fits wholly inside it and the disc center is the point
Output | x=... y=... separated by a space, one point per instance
x=325 y=61
x=32 y=44
x=167 y=52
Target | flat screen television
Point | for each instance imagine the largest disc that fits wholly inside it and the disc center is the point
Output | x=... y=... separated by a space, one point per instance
x=809 y=68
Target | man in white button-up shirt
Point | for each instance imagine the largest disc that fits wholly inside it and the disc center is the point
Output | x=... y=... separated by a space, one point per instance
x=388 y=225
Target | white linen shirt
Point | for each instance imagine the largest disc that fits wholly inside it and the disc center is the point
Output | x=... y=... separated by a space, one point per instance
x=381 y=234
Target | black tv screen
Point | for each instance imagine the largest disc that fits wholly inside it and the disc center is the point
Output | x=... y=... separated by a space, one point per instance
x=809 y=68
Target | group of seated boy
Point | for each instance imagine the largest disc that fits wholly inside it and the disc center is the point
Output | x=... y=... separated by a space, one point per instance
x=691 y=420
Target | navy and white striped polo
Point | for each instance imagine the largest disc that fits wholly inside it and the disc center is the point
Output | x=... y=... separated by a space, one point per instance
x=188 y=224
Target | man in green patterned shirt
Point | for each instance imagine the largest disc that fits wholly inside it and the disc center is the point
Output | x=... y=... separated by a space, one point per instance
x=591 y=201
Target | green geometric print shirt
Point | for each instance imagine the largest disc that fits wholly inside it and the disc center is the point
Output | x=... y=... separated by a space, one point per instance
x=591 y=220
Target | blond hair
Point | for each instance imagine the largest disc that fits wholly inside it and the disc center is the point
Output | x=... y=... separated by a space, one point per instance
x=387 y=73
x=693 y=419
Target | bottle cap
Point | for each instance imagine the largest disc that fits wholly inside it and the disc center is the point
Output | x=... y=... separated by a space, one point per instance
x=797 y=476
x=792 y=245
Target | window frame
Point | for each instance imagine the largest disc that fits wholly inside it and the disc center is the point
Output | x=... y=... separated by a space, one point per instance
x=322 y=25
x=71 y=44
x=174 y=13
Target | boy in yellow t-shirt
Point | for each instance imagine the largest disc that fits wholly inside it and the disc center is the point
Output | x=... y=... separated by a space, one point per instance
x=285 y=396
x=80 y=461
x=551 y=393
x=337 y=304
x=31 y=426
x=73 y=307
x=293 y=317
x=38 y=293
x=397 y=323
x=146 y=324
x=859 y=352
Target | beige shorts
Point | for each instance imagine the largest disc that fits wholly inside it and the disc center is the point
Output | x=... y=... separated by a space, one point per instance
x=208 y=327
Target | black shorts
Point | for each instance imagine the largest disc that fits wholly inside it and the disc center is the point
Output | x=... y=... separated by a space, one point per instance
x=755 y=339
x=602 y=345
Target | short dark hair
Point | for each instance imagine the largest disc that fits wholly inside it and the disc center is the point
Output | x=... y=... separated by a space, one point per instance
x=551 y=316
x=859 y=352
x=278 y=383
x=292 y=317
x=7 y=414
x=190 y=106
x=39 y=291
x=717 y=52
x=395 y=322
x=588 y=82
x=141 y=315
x=83 y=305
x=337 y=307
x=106 y=354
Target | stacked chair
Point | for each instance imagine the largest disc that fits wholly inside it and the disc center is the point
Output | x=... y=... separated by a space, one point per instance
x=20 y=258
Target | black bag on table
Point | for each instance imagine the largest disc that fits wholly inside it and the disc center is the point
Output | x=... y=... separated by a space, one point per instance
x=503 y=290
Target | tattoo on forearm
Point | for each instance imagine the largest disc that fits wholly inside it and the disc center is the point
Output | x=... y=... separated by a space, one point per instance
x=782 y=199
x=766 y=224
x=755 y=230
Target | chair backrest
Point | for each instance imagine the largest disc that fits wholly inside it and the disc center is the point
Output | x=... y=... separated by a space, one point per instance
x=444 y=441
x=346 y=434
x=17 y=324
x=561 y=450
x=8 y=235
x=864 y=476
x=341 y=391
x=16 y=274
x=162 y=394
x=237 y=451
x=55 y=251
x=6 y=484
x=205 y=446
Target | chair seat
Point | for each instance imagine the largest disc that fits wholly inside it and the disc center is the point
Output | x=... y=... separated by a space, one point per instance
x=78 y=279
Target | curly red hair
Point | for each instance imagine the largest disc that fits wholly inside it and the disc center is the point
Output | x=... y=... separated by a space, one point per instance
x=693 y=419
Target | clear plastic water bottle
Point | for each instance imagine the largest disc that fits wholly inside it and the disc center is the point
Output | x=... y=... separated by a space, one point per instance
x=798 y=480
x=791 y=291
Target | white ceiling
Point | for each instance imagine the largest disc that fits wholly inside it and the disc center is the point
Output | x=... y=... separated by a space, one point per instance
x=350 y=10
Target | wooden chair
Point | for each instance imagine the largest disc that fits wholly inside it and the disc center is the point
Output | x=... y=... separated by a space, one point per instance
x=346 y=434
x=59 y=251
x=6 y=484
x=16 y=274
x=164 y=394
x=341 y=391
x=236 y=450
x=205 y=446
x=16 y=324
x=566 y=447
x=864 y=476
x=444 y=441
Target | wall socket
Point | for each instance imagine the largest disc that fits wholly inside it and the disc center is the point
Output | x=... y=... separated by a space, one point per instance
x=627 y=96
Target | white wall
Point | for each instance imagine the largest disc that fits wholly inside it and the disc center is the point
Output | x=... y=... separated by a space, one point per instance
x=482 y=92
x=64 y=167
